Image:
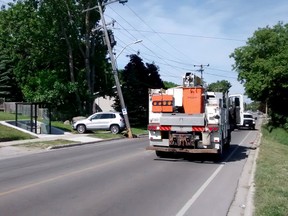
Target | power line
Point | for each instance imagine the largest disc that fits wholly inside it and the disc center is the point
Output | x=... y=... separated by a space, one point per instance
x=156 y=55
x=178 y=67
x=153 y=31
x=146 y=39
x=185 y=35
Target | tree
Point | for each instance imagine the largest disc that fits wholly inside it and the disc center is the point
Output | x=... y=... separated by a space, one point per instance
x=8 y=85
x=137 y=78
x=9 y=88
x=57 y=53
x=219 y=86
x=262 y=66
x=169 y=84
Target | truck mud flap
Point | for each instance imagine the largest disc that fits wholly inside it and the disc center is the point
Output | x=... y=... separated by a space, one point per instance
x=166 y=149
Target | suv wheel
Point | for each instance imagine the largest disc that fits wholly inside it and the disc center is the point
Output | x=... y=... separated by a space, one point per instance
x=81 y=129
x=115 y=129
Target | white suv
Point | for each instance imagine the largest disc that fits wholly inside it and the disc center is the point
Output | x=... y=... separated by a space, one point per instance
x=113 y=121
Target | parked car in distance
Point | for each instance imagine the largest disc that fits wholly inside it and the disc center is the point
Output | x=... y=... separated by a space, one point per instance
x=113 y=121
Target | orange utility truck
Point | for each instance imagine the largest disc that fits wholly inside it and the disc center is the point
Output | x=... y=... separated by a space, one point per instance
x=188 y=119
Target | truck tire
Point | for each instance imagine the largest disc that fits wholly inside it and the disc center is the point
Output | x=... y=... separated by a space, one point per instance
x=81 y=128
x=162 y=154
x=217 y=158
x=227 y=140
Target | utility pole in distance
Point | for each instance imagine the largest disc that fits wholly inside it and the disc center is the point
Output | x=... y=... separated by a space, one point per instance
x=114 y=68
x=201 y=69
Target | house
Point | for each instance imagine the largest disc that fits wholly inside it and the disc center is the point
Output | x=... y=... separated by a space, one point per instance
x=103 y=104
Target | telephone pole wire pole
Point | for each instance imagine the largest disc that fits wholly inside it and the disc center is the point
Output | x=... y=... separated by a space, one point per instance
x=201 y=69
x=114 y=68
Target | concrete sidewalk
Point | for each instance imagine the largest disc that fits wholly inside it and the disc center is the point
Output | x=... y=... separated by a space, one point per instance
x=14 y=148
x=81 y=138
x=56 y=134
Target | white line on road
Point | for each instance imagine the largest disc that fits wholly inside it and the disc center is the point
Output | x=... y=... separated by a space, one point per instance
x=190 y=202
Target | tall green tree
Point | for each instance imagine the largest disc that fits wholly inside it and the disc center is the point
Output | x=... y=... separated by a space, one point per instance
x=137 y=78
x=169 y=84
x=262 y=66
x=58 y=53
x=219 y=86
x=9 y=89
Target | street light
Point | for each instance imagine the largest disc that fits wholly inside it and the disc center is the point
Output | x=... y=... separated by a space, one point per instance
x=114 y=68
x=135 y=42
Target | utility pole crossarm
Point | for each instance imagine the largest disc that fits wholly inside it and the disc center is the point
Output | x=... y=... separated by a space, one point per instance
x=201 y=69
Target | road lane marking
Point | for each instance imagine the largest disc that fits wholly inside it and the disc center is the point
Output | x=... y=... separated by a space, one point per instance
x=33 y=184
x=191 y=201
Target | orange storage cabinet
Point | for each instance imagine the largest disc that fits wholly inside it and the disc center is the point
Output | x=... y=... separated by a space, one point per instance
x=162 y=103
x=193 y=100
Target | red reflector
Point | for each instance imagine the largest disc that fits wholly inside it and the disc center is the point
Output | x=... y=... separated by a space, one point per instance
x=158 y=127
x=165 y=128
x=197 y=128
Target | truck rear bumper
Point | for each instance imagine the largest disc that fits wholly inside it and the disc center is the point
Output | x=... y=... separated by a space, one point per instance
x=167 y=149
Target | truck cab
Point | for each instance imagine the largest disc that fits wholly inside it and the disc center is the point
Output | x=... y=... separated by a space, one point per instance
x=238 y=117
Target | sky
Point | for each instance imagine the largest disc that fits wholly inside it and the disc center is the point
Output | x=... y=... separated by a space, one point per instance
x=178 y=36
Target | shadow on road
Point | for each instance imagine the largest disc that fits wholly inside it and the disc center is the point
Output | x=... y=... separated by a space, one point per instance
x=234 y=153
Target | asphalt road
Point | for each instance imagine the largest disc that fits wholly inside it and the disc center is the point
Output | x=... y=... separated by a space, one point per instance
x=121 y=178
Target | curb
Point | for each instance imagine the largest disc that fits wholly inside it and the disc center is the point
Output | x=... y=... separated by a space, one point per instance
x=80 y=144
x=91 y=142
x=249 y=210
x=243 y=203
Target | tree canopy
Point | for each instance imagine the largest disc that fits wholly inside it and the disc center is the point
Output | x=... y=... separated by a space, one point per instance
x=169 y=84
x=219 y=86
x=262 y=66
x=137 y=78
x=54 y=53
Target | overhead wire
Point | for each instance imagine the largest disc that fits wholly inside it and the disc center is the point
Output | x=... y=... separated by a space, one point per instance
x=153 y=31
x=156 y=55
x=156 y=45
x=180 y=62
x=184 y=35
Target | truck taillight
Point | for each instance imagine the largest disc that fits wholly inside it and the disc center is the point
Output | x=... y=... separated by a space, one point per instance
x=213 y=128
x=154 y=127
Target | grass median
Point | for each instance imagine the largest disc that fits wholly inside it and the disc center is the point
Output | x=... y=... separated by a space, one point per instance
x=271 y=178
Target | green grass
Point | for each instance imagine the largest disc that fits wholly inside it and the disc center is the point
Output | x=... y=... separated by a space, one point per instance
x=4 y=116
x=271 y=178
x=62 y=126
x=139 y=130
x=46 y=144
x=9 y=134
x=105 y=135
